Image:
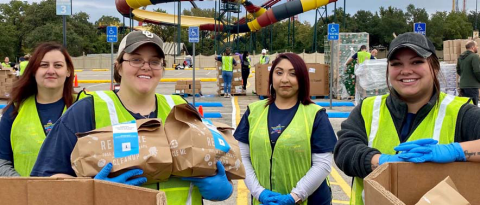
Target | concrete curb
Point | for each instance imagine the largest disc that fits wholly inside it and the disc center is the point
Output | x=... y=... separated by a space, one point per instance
x=103 y=69
x=78 y=70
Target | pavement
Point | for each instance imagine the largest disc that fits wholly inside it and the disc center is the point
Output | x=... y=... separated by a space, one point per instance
x=232 y=111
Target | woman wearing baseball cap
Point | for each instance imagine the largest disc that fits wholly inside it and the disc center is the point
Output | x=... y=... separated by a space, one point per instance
x=139 y=68
x=416 y=122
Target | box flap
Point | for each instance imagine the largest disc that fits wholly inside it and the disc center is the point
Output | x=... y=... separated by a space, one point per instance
x=378 y=185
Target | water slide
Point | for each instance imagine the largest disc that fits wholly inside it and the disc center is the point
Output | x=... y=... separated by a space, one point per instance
x=262 y=16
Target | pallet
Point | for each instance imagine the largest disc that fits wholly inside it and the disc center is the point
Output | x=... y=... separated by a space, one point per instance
x=319 y=97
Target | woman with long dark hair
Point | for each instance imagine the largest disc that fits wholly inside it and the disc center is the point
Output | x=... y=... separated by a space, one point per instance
x=287 y=140
x=37 y=101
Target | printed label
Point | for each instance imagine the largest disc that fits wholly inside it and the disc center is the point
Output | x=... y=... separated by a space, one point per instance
x=219 y=141
x=125 y=140
x=311 y=70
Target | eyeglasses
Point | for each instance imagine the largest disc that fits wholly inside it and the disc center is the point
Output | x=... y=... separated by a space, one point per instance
x=138 y=63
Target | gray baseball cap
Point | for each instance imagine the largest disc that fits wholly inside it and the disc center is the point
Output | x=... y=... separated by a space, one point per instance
x=136 y=39
x=417 y=42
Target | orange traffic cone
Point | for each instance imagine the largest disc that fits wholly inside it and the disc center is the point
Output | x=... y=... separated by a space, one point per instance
x=76 y=82
x=200 y=110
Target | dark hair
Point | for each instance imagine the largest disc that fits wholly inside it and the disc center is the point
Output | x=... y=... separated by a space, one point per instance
x=470 y=44
x=434 y=69
x=245 y=53
x=363 y=47
x=301 y=73
x=26 y=86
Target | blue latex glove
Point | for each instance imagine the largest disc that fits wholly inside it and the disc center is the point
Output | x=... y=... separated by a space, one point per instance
x=440 y=153
x=286 y=199
x=407 y=146
x=267 y=194
x=384 y=158
x=123 y=178
x=215 y=188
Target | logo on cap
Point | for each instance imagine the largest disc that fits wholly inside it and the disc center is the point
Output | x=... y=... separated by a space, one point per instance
x=147 y=34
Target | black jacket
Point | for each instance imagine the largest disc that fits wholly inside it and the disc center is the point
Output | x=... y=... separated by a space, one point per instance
x=352 y=154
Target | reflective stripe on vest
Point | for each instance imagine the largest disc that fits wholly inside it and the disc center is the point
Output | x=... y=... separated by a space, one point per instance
x=291 y=159
x=438 y=124
x=227 y=64
x=26 y=137
x=178 y=192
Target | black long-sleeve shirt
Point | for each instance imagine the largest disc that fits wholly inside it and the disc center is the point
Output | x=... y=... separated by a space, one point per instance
x=352 y=154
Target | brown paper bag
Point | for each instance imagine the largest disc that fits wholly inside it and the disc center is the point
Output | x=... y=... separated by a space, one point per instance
x=193 y=146
x=94 y=150
x=445 y=193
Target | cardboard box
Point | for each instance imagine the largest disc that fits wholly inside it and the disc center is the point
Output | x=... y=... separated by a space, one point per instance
x=261 y=78
x=74 y=191
x=181 y=87
x=406 y=183
x=181 y=82
x=446 y=57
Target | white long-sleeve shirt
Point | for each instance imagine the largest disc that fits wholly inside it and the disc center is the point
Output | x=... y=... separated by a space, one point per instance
x=321 y=167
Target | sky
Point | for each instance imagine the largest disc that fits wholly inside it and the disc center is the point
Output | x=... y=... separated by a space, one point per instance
x=97 y=8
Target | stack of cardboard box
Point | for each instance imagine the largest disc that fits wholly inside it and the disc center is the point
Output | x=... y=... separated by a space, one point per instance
x=318 y=74
x=236 y=78
x=453 y=48
x=7 y=77
x=186 y=87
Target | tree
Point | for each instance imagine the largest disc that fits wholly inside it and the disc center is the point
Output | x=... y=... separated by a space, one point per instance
x=415 y=15
x=107 y=21
x=392 y=20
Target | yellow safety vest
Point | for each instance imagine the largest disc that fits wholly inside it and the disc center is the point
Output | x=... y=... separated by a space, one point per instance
x=6 y=65
x=23 y=65
x=362 y=56
x=109 y=110
x=291 y=159
x=26 y=137
x=439 y=124
x=227 y=64
x=263 y=59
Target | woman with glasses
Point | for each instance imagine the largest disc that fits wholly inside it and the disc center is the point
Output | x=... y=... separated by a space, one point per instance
x=139 y=68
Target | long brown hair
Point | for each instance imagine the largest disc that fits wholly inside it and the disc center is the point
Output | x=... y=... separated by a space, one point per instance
x=301 y=72
x=434 y=69
x=26 y=86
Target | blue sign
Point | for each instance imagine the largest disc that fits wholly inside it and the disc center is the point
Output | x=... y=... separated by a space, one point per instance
x=112 y=34
x=333 y=31
x=420 y=28
x=193 y=34
x=64 y=7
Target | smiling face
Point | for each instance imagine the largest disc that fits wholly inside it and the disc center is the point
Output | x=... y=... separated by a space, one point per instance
x=142 y=80
x=284 y=80
x=52 y=72
x=410 y=75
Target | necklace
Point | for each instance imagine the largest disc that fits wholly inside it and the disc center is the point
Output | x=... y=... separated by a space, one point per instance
x=146 y=116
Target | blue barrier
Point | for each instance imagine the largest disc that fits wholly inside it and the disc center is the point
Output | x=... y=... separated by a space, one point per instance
x=336 y=104
x=2 y=106
x=208 y=104
x=212 y=115
x=338 y=114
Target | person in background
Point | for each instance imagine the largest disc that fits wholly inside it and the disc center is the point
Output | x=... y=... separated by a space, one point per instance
x=374 y=53
x=227 y=71
x=264 y=59
x=286 y=141
x=37 y=102
x=6 y=63
x=415 y=114
x=468 y=68
x=360 y=56
x=246 y=62
x=24 y=63
x=140 y=66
